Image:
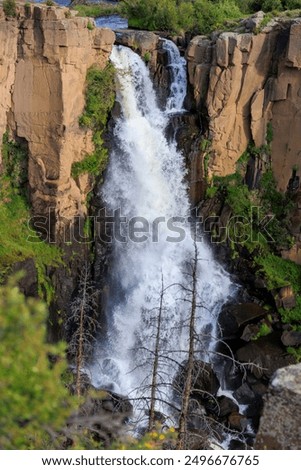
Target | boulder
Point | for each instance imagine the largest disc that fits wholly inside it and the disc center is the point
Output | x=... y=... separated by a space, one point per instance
x=250 y=331
x=237 y=421
x=205 y=383
x=244 y=394
x=291 y=338
x=280 y=422
x=264 y=356
x=233 y=317
x=254 y=21
x=142 y=41
x=226 y=406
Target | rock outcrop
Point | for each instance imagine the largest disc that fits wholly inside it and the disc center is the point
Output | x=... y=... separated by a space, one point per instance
x=243 y=82
x=245 y=86
x=282 y=402
x=45 y=54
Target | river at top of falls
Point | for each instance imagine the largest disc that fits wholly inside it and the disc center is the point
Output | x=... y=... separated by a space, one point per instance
x=145 y=181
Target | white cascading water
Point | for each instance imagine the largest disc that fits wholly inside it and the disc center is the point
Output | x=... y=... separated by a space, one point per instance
x=146 y=179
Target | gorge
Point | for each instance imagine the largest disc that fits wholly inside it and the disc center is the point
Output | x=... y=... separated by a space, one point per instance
x=205 y=137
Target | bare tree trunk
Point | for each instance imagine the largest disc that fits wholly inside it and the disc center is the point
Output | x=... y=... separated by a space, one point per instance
x=156 y=362
x=81 y=335
x=182 y=435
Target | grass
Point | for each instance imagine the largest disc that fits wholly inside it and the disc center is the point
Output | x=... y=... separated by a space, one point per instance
x=18 y=241
x=100 y=98
x=97 y=10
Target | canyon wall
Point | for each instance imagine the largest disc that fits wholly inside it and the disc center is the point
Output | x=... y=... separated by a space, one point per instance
x=245 y=85
x=45 y=53
x=242 y=82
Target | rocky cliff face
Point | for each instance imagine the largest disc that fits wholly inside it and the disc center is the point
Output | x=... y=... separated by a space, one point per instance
x=242 y=82
x=243 y=85
x=45 y=55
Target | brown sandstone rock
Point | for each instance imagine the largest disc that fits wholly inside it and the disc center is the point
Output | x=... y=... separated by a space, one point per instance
x=244 y=81
x=45 y=57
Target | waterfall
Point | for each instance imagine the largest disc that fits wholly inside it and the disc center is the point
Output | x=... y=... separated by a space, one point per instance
x=145 y=182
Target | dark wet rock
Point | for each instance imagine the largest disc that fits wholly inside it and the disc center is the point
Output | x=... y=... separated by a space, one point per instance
x=244 y=394
x=237 y=422
x=226 y=406
x=264 y=356
x=204 y=380
x=291 y=338
x=235 y=316
x=28 y=284
x=249 y=332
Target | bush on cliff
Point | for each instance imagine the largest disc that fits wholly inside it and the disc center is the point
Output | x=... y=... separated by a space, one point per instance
x=100 y=97
x=9 y=7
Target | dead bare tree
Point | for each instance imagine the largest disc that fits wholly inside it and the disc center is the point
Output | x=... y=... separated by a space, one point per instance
x=82 y=325
x=191 y=354
x=156 y=361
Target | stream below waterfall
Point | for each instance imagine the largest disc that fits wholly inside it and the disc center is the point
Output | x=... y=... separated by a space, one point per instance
x=152 y=247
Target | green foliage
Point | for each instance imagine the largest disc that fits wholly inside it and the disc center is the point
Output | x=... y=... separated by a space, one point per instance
x=100 y=97
x=15 y=161
x=292 y=4
x=147 y=57
x=17 y=240
x=50 y=3
x=199 y=16
x=90 y=26
x=271 y=5
x=264 y=330
x=292 y=316
x=34 y=402
x=279 y=272
x=9 y=7
x=295 y=352
x=97 y=10
x=211 y=192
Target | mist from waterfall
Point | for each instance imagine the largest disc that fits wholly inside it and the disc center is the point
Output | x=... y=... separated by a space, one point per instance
x=146 y=181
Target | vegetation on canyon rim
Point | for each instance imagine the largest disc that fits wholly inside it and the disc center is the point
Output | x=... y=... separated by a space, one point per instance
x=197 y=16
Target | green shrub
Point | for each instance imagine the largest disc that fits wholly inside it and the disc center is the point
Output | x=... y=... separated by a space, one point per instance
x=279 y=272
x=264 y=330
x=292 y=4
x=15 y=231
x=97 y=10
x=295 y=352
x=35 y=404
x=147 y=57
x=15 y=158
x=271 y=5
x=9 y=7
x=90 y=25
x=199 y=16
x=100 y=98
x=50 y=3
